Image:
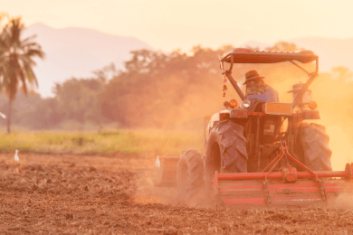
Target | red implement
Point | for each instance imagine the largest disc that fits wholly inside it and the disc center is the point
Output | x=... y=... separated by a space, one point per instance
x=287 y=187
x=166 y=172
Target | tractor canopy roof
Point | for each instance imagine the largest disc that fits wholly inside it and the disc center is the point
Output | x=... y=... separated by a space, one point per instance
x=243 y=55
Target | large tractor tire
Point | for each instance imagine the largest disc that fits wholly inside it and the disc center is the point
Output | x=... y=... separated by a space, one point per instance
x=190 y=173
x=315 y=147
x=226 y=149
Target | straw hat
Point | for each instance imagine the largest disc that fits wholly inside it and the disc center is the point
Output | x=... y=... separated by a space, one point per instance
x=252 y=75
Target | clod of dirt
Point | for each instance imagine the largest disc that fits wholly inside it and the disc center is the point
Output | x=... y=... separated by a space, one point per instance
x=278 y=217
x=172 y=231
x=35 y=168
x=3 y=165
x=69 y=216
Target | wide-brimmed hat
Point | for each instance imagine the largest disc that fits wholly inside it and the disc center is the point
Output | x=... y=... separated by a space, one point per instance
x=252 y=75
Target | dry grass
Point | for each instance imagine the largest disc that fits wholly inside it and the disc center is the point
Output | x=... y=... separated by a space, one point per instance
x=126 y=141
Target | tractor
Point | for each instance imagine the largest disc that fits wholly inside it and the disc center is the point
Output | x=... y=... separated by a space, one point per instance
x=262 y=151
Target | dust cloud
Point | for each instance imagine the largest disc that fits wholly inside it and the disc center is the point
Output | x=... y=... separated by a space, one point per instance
x=179 y=94
x=333 y=94
x=343 y=201
x=333 y=97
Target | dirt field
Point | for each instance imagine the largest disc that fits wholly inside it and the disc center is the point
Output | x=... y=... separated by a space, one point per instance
x=72 y=194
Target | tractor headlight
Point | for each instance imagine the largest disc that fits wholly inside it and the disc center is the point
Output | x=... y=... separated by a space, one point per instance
x=245 y=104
x=233 y=103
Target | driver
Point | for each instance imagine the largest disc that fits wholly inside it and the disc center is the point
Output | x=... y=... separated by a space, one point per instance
x=255 y=84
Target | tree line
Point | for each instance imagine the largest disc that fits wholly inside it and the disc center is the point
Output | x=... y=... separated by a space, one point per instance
x=154 y=90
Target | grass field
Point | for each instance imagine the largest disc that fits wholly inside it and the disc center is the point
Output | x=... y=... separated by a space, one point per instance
x=126 y=141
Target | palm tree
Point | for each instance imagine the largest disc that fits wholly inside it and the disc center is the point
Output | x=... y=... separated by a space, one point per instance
x=16 y=62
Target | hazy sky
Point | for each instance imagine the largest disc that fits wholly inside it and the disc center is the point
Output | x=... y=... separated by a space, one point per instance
x=167 y=24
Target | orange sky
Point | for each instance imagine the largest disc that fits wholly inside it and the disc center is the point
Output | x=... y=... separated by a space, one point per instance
x=167 y=25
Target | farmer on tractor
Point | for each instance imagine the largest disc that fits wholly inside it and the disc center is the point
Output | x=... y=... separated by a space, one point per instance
x=255 y=85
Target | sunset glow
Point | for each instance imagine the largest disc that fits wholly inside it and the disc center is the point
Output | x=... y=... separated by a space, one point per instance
x=176 y=117
x=167 y=25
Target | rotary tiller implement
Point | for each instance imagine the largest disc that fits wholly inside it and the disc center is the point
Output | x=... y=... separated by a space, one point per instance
x=285 y=188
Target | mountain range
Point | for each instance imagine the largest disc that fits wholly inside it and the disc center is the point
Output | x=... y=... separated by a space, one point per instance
x=76 y=52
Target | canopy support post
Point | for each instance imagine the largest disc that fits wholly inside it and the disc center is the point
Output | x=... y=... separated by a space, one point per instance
x=235 y=85
x=228 y=73
x=307 y=84
x=299 y=67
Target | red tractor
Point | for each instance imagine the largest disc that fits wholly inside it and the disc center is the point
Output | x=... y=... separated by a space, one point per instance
x=262 y=152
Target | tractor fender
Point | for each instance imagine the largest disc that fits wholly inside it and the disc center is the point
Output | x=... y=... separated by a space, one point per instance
x=226 y=149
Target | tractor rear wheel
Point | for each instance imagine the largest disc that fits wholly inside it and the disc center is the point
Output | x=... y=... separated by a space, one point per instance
x=190 y=173
x=226 y=149
x=314 y=144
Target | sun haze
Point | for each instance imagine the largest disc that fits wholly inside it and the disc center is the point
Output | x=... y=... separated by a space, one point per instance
x=168 y=25
x=135 y=127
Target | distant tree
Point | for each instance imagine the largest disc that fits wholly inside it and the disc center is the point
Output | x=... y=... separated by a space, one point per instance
x=159 y=90
x=76 y=99
x=16 y=61
x=342 y=74
x=105 y=73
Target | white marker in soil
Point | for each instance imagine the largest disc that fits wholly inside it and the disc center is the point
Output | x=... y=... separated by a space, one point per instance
x=16 y=158
x=157 y=162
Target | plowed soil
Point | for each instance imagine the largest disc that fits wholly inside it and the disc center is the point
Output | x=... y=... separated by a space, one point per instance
x=75 y=194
